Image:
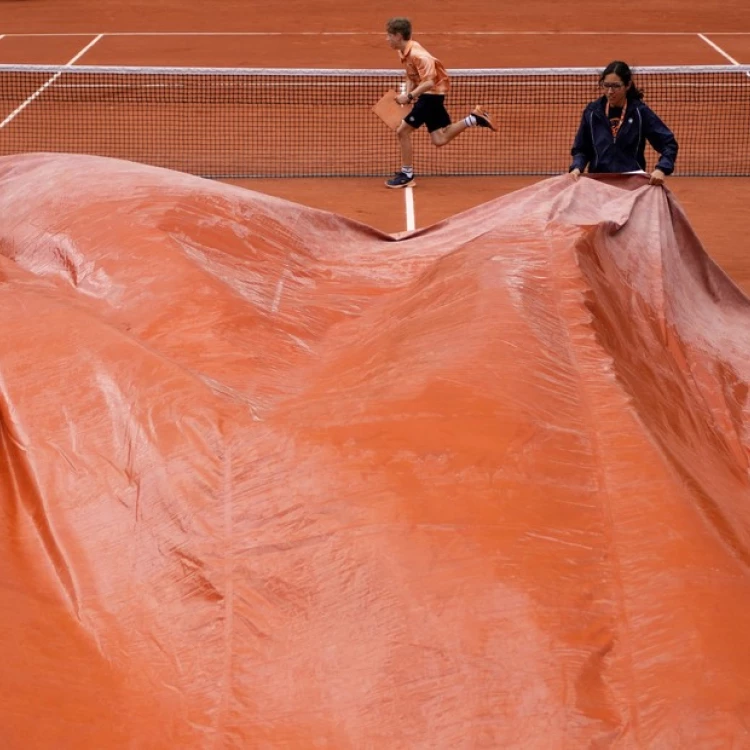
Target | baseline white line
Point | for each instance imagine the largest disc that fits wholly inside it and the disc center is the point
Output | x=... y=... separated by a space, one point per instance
x=718 y=49
x=409 y=200
x=380 y=33
x=46 y=85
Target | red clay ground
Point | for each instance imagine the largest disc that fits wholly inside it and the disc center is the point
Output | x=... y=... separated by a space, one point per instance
x=331 y=15
x=473 y=34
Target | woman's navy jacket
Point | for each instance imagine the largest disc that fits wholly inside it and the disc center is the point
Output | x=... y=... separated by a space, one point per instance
x=594 y=144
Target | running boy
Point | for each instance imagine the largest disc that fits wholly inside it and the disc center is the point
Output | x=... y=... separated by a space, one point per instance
x=427 y=83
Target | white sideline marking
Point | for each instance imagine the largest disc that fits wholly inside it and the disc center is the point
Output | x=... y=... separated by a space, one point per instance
x=409 y=200
x=46 y=85
x=77 y=57
x=718 y=49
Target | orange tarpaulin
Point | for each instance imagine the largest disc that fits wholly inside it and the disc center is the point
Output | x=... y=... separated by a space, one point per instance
x=272 y=479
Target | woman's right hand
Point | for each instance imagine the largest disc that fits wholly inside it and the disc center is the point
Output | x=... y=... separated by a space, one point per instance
x=575 y=173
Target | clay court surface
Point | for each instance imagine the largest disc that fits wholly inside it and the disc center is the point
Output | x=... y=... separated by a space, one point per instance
x=469 y=35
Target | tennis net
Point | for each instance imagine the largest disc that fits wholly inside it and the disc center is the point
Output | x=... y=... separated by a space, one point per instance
x=227 y=123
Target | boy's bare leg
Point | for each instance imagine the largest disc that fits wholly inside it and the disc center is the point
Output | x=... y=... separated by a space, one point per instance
x=405 y=175
x=478 y=118
x=448 y=133
x=404 y=134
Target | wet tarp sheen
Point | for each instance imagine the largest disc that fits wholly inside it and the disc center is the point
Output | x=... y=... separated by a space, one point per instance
x=272 y=479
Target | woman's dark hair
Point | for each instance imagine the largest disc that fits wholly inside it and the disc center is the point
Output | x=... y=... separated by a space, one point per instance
x=622 y=70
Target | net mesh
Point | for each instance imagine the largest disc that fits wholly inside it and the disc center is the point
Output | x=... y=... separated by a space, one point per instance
x=225 y=123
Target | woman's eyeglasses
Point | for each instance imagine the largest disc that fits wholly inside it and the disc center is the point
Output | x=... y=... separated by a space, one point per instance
x=613 y=86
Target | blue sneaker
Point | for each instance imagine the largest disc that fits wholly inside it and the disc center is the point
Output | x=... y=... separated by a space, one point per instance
x=399 y=180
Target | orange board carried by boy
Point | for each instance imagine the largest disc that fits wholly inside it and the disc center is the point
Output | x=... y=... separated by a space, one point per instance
x=390 y=111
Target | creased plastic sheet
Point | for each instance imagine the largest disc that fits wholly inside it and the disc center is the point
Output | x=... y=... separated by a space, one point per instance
x=272 y=479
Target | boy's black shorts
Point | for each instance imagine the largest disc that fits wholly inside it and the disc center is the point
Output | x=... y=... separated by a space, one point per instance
x=429 y=109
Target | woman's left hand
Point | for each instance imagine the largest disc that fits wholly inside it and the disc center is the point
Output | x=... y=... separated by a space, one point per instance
x=657 y=177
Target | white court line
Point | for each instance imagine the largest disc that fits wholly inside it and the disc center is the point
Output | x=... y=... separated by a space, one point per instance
x=382 y=33
x=75 y=59
x=409 y=200
x=46 y=85
x=718 y=49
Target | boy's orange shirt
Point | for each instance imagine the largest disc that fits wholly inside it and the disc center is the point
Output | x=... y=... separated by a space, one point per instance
x=421 y=65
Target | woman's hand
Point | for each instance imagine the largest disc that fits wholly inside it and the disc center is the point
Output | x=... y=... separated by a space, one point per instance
x=657 y=177
x=575 y=173
x=402 y=99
